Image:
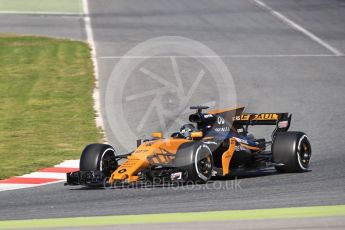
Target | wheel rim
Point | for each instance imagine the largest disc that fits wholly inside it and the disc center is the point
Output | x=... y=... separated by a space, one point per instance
x=205 y=165
x=109 y=163
x=304 y=154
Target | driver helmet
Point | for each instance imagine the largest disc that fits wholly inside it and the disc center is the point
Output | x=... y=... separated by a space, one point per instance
x=187 y=129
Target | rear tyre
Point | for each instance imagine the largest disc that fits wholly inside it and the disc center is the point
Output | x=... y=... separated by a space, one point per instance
x=98 y=157
x=293 y=151
x=197 y=160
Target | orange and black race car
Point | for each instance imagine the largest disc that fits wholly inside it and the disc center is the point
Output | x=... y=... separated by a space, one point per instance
x=215 y=143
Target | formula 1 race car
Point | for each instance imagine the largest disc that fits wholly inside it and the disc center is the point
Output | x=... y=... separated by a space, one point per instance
x=217 y=145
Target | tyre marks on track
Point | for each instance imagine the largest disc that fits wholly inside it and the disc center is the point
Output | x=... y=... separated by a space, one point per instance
x=299 y=28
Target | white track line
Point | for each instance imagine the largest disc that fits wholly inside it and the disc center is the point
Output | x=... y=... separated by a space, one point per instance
x=226 y=56
x=68 y=164
x=48 y=175
x=90 y=40
x=5 y=187
x=298 y=28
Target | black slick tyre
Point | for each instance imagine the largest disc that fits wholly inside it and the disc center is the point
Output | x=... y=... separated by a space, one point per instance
x=196 y=159
x=291 y=152
x=98 y=157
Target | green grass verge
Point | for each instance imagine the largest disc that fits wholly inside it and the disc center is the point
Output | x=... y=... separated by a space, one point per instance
x=46 y=6
x=46 y=112
x=275 y=213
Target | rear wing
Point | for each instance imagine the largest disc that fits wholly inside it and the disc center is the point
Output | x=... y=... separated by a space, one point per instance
x=239 y=120
x=280 y=120
x=262 y=119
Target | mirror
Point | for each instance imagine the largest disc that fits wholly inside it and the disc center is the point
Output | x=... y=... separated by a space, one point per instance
x=198 y=134
x=157 y=135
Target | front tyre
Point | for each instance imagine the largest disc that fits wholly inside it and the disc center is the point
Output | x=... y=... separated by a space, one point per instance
x=98 y=157
x=292 y=152
x=197 y=160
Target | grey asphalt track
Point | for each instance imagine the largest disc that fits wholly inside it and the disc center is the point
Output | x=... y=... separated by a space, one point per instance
x=274 y=68
x=63 y=26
